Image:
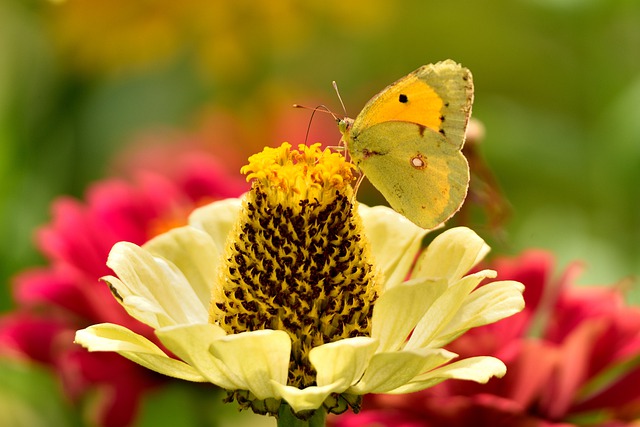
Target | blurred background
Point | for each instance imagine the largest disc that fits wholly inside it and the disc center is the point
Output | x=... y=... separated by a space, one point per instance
x=82 y=81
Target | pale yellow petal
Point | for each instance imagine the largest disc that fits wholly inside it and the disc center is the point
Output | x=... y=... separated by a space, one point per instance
x=256 y=358
x=308 y=398
x=398 y=310
x=157 y=281
x=193 y=252
x=109 y=337
x=342 y=360
x=443 y=310
x=487 y=304
x=451 y=255
x=191 y=343
x=395 y=241
x=217 y=219
x=147 y=311
x=479 y=369
x=387 y=371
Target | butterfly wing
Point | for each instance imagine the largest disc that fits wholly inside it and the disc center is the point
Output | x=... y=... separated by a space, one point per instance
x=438 y=96
x=407 y=141
x=419 y=171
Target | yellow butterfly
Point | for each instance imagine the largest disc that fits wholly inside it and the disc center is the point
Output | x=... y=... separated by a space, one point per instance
x=408 y=139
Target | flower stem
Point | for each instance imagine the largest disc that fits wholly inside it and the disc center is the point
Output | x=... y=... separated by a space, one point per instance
x=286 y=418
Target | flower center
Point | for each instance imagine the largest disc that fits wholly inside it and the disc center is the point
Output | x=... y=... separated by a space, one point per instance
x=297 y=260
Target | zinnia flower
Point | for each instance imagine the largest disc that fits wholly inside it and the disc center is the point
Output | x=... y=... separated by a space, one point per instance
x=296 y=299
x=56 y=300
x=573 y=357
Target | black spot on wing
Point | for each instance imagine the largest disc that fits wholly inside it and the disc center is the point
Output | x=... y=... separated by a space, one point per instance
x=403 y=98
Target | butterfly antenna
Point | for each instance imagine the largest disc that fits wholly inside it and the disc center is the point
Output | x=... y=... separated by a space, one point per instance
x=321 y=108
x=335 y=87
x=342 y=146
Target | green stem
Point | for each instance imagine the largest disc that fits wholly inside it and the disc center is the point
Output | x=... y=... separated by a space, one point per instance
x=286 y=418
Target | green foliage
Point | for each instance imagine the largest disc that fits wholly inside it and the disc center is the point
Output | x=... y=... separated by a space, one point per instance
x=30 y=397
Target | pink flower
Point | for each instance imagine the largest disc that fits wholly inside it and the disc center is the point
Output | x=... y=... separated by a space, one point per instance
x=572 y=356
x=55 y=300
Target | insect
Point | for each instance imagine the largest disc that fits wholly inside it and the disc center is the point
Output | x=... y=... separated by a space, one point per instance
x=407 y=140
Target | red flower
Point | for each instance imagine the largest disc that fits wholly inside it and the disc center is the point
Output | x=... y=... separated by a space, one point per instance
x=572 y=356
x=56 y=300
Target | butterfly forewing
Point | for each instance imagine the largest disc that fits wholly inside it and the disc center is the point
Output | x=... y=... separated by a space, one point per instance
x=438 y=96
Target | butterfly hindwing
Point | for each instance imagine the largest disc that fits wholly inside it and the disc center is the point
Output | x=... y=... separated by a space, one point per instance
x=434 y=178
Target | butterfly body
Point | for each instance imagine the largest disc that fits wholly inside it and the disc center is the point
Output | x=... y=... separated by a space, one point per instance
x=407 y=141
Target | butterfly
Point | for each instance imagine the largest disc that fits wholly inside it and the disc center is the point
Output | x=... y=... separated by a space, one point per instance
x=407 y=140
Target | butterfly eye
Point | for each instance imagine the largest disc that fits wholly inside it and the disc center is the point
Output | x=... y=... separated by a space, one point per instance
x=418 y=162
x=403 y=98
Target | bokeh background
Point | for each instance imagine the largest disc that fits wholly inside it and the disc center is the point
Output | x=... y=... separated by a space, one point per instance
x=81 y=81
